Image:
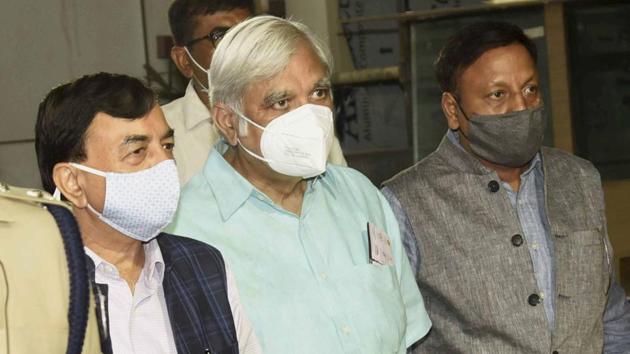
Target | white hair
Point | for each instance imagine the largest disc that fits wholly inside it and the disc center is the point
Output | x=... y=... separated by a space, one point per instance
x=257 y=50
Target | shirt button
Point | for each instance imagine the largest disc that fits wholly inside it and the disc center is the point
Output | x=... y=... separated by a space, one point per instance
x=346 y=329
x=533 y=299
x=517 y=240
x=323 y=276
x=493 y=186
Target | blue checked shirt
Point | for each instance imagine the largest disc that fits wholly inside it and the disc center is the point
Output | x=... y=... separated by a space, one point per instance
x=529 y=204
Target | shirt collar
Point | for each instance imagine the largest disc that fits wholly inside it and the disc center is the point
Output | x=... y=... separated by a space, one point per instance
x=230 y=189
x=98 y=261
x=153 y=263
x=153 y=268
x=195 y=111
x=535 y=165
x=325 y=179
x=453 y=136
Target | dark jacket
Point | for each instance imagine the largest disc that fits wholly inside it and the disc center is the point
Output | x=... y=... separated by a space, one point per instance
x=195 y=291
x=477 y=283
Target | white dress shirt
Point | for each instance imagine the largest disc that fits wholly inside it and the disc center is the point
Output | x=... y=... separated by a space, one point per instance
x=139 y=321
x=195 y=135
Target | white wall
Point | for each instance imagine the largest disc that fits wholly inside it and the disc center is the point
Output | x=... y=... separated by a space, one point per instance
x=156 y=12
x=45 y=43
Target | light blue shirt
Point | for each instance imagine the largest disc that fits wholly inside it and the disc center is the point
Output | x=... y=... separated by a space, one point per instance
x=529 y=204
x=306 y=280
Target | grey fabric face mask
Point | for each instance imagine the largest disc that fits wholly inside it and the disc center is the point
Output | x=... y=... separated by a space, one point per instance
x=510 y=139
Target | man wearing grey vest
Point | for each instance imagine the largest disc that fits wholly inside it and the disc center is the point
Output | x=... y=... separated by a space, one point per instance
x=508 y=238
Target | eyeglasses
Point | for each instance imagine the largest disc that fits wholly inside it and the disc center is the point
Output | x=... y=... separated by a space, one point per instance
x=215 y=36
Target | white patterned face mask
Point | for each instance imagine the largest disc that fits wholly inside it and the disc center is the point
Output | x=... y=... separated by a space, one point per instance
x=139 y=204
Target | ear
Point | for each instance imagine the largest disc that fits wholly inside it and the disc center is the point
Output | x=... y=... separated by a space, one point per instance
x=225 y=120
x=182 y=61
x=66 y=180
x=451 y=110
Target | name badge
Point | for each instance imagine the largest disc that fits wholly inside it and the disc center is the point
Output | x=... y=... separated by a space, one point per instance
x=380 y=246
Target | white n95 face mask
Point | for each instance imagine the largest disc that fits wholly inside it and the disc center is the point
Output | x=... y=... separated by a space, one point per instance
x=139 y=204
x=298 y=142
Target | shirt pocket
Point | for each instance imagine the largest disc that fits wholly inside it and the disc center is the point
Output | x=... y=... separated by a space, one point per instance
x=582 y=263
x=375 y=306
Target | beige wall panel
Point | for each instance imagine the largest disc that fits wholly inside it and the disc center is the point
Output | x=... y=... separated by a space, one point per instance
x=558 y=77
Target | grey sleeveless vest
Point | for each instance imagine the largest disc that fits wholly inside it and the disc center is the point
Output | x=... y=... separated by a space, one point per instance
x=477 y=283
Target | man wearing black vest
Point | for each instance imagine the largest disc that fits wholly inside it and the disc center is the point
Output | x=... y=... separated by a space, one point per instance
x=103 y=143
x=512 y=250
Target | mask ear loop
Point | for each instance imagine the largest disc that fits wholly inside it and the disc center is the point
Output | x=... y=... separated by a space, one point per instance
x=248 y=121
x=94 y=172
x=203 y=87
x=57 y=193
x=251 y=152
x=88 y=169
x=459 y=108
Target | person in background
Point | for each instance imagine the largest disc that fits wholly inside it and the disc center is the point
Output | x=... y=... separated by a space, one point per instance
x=103 y=143
x=197 y=27
x=512 y=250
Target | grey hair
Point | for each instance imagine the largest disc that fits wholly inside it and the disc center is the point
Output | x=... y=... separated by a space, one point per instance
x=257 y=50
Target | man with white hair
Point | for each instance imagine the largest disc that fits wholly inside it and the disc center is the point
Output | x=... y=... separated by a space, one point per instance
x=197 y=27
x=315 y=248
